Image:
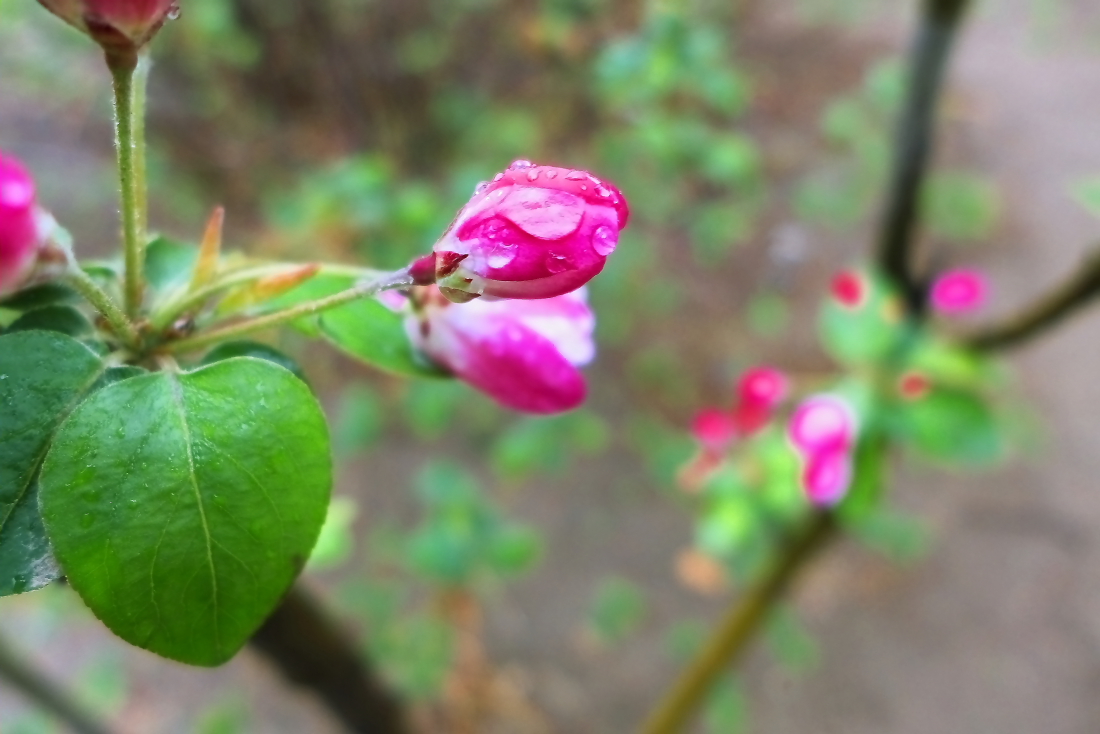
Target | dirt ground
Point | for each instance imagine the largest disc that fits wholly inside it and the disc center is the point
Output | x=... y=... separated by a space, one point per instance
x=997 y=629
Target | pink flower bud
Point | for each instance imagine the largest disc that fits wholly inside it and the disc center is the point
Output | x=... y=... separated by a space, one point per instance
x=823 y=423
x=524 y=354
x=827 y=476
x=20 y=233
x=117 y=25
x=850 y=288
x=534 y=232
x=914 y=385
x=959 y=291
x=714 y=429
x=762 y=386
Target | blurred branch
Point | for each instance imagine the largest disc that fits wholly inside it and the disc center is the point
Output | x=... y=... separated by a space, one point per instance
x=314 y=652
x=1078 y=291
x=913 y=145
x=738 y=629
x=16 y=672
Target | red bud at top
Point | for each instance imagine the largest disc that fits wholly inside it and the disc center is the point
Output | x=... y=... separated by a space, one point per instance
x=534 y=232
x=849 y=288
x=120 y=26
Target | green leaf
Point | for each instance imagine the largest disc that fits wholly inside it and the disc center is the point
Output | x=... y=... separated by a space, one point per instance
x=952 y=426
x=43 y=377
x=46 y=294
x=336 y=542
x=514 y=550
x=790 y=641
x=314 y=289
x=182 y=506
x=59 y=318
x=866 y=333
x=961 y=206
x=1087 y=192
x=617 y=610
x=246 y=348
x=372 y=333
x=168 y=263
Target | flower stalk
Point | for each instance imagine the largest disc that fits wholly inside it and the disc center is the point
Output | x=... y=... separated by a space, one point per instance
x=132 y=198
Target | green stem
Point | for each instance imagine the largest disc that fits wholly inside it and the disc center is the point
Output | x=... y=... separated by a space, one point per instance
x=16 y=672
x=398 y=279
x=122 y=71
x=737 y=630
x=176 y=307
x=141 y=187
x=123 y=328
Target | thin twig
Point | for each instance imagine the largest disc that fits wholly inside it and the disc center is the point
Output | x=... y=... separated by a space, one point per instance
x=939 y=24
x=122 y=326
x=16 y=672
x=364 y=289
x=738 y=629
x=1076 y=292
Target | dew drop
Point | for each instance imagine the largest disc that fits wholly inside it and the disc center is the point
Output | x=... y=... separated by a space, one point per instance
x=532 y=175
x=557 y=263
x=498 y=177
x=480 y=188
x=604 y=240
x=173 y=12
x=551 y=174
x=501 y=255
x=576 y=176
x=519 y=165
x=584 y=187
x=603 y=192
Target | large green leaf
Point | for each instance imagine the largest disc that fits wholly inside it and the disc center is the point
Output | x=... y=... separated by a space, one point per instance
x=58 y=317
x=43 y=377
x=952 y=426
x=371 y=332
x=182 y=506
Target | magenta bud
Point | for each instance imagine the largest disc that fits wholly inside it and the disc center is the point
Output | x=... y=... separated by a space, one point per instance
x=827 y=476
x=119 y=26
x=524 y=354
x=822 y=423
x=534 y=232
x=20 y=225
x=959 y=291
x=714 y=429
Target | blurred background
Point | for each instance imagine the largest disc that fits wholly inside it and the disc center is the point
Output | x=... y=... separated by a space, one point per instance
x=562 y=579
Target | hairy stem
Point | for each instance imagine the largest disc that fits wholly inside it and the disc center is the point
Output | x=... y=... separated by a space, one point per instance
x=17 y=673
x=1076 y=292
x=737 y=630
x=122 y=71
x=123 y=328
x=314 y=652
x=141 y=187
x=913 y=145
x=364 y=289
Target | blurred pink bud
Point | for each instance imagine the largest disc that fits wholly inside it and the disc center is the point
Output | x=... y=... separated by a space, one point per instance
x=20 y=233
x=827 y=476
x=959 y=291
x=534 y=232
x=759 y=391
x=117 y=25
x=524 y=354
x=849 y=288
x=914 y=385
x=823 y=423
x=714 y=429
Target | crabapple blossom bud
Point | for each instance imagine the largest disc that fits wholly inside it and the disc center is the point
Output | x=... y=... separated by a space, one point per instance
x=21 y=228
x=714 y=429
x=959 y=291
x=533 y=232
x=119 y=26
x=850 y=288
x=759 y=391
x=827 y=475
x=823 y=422
x=524 y=354
x=913 y=385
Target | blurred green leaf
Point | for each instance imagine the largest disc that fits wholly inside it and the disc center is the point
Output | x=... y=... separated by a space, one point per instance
x=726 y=708
x=790 y=641
x=245 y=348
x=168 y=263
x=951 y=426
x=359 y=422
x=336 y=542
x=60 y=318
x=103 y=686
x=1087 y=192
x=38 y=296
x=961 y=206
x=865 y=333
x=616 y=611
x=901 y=538
x=514 y=551
x=372 y=333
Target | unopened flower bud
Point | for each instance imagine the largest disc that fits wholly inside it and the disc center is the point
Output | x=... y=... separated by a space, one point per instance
x=533 y=232
x=121 y=27
x=21 y=228
x=959 y=291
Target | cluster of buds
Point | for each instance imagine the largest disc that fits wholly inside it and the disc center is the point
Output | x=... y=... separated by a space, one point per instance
x=759 y=392
x=824 y=431
x=22 y=225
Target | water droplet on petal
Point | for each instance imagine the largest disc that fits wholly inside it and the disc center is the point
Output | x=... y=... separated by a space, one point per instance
x=604 y=240
x=480 y=188
x=557 y=263
x=576 y=176
x=498 y=177
x=519 y=165
x=603 y=192
x=174 y=12
x=532 y=175
x=551 y=174
x=501 y=255
x=584 y=187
